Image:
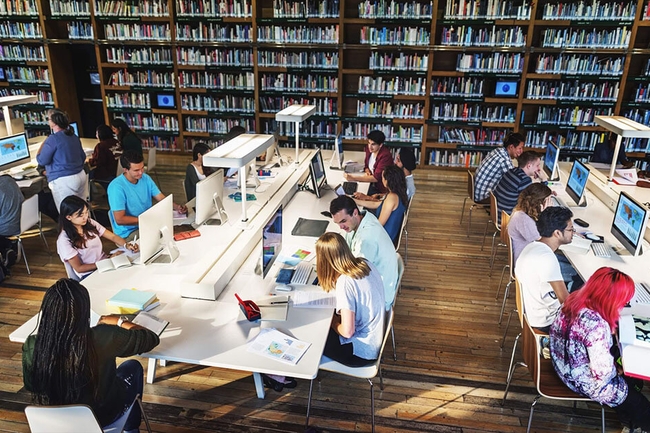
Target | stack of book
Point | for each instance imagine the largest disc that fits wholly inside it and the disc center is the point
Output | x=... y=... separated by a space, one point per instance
x=130 y=301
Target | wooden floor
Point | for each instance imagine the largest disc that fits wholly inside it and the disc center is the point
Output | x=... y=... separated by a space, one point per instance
x=449 y=375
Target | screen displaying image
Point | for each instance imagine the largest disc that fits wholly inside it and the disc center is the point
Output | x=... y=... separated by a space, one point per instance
x=629 y=218
x=166 y=100
x=94 y=78
x=506 y=88
x=578 y=178
x=549 y=159
x=271 y=240
x=75 y=128
x=12 y=150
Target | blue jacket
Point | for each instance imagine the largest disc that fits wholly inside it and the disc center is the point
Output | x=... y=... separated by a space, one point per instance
x=62 y=155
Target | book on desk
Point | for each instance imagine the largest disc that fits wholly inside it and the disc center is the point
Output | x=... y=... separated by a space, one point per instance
x=129 y=301
x=634 y=337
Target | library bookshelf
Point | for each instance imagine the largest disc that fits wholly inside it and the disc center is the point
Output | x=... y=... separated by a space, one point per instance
x=448 y=78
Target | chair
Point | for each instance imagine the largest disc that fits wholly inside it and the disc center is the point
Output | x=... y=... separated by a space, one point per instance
x=497 y=228
x=547 y=382
x=69 y=270
x=29 y=217
x=404 y=232
x=151 y=163
x=470 y=195
x=505 y=239
x=183 y=189
x=519 y=310
x=367 y=372
x=400 y=274
x=120 y=168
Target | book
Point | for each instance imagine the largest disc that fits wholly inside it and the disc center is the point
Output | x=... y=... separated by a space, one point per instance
x=132 y=299
x=186 y=235
x=151 y=322
x=112 y=263
x=578 y=245
x=275 y=345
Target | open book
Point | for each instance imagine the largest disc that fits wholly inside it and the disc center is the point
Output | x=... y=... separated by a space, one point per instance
x=151 y=322
x=120 y=261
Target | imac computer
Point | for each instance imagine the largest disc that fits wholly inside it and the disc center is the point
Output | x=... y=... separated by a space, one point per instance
x=156 y=231
x=550 y=161
x=209 y=200
x=75 y=128
x=630 y=220
x=336 y=162
x=577 y=182
x=317 y=173
x=14 y=151
x=271 y=241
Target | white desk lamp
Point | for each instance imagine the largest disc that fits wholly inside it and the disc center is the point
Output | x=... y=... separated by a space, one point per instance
x=622 y=127
x=296 y=113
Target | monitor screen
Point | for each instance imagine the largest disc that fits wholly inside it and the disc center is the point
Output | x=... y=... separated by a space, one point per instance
x=94 y=78
x=271 y=241
x=630 y=219
x=155 y=229
x=338 y=148
x=207 y=192
x=165 y=100
x=75 y=128
x=577 y=182
x=550 y=160
x=506 y=89
x=317 y=172
x=14 y=151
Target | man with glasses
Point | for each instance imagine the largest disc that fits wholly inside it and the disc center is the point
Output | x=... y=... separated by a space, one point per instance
x=538 y=269
x=378 y=157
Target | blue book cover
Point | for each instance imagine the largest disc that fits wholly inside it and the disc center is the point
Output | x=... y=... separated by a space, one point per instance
x=130 y=298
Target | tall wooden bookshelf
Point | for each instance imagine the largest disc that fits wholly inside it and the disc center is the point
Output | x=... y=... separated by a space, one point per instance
x=435 y=75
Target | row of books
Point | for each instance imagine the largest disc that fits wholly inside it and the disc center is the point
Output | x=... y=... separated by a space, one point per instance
x=145 y=55
x=79 y=8
x=455 y=158
x=299 y=34
x=225 y=103
x=491 y=9
x=147 y=78
x=20 y=30
x=45 y=97
x=138 y=31
x=216 y=126
x=309 y=128
x=324 y=106
x=162 y=143
x=572 y=140
x=585 y=38
x=80 y=30
x=576 y=116
x=457 y=86
x=595 y=10
x=398 y=61
x=398 y=133
x=390 y=110
x=216 y=80
x=298 y=59
x=468 y=36
x=214 y=32
x=572 y=90
x=21 y=74
x=128 y=100
x=449 y=111
x=306 y=9
x=151 y=122
x=579 y=64
x=392 y=85
x=490 y=63
x=638 y=115
x=30 y=117
x=206 y=56
x=474 y=137
x=306 y=83
x=214 y=8
x=646 y=69
x=19 y=7
x=394 y=9
x=22 y=53
x=122 y=8
x=395 y=35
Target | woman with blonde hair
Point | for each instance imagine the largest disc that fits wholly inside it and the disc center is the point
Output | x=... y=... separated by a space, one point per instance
x=522 y=227
x=358 y=326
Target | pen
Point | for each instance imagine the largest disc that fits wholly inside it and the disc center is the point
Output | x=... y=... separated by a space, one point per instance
x=135 y=240
x=270 y=304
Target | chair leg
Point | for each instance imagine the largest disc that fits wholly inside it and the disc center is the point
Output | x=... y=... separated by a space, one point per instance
x=506 y=292
x=493 y=251
x=511 y=369
x=487 y=224
x=469 y=223
x=602 y=418
x=505 y=333
x=22 y=251
x=462 y=213
x=144 y=415
x=372 y=402
x=40 y=232
x=311 y=386
x=406 y=250
x=381 y=378
x=503 y=271
x=532 y=409
x=392 y=334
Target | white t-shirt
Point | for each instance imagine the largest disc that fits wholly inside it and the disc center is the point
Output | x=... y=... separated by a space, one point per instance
x=199 y=175
x=91 y=254
x=536 y=267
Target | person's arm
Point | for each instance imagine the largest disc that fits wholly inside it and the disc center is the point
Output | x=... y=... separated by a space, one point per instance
x=177 y=207
x=95 y=159
x=559 y=287
x=390 y=204
x=360 y=177
x=79 y=267
x=344 y=326
x=130 y=339
x=123 y=219
x=384 y=159
x=119 y=241
x=191 y=179
x=45 y=153
x=368 y=204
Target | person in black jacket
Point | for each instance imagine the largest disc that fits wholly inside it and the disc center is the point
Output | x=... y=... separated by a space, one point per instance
x=195 y=171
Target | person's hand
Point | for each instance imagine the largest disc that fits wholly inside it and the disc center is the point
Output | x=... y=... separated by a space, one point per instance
x=117 y=253
x=361 y=196
x=346 y=176
x=133 y=247
x=181 y=209
x=368 y=172
x=109 y=319
x=398 y=161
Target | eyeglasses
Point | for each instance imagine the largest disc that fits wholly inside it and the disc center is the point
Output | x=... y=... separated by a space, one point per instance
x=572 y=229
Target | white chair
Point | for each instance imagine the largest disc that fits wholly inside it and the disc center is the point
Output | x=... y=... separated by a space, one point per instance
x=120 y=168
x=69 y=270
x=398 y=289
x=29 y=217
x=151 y=163
x=367 y=372
x=404 y=232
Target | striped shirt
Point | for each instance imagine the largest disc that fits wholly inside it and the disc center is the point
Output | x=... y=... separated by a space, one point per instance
x=507 y=191
x=492 y=168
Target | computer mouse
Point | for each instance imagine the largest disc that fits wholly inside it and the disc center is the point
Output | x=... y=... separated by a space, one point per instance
x=283 y=288
x=592 y=237
x=18 y=176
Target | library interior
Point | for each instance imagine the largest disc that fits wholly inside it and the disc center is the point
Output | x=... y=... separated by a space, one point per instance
x=250 y=130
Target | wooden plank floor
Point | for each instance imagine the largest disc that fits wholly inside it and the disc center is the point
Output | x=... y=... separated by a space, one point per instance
x=449 y=375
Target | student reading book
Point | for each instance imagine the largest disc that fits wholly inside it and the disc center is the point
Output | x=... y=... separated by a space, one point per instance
x=114 y=262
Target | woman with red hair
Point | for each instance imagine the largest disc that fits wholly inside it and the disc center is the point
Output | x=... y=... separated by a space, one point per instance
x=581 y=343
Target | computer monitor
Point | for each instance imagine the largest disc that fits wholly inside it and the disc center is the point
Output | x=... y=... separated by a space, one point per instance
x=629 y=224
x=156 y=231
x=75 y=128
x=337 y=154
x=209 y=200
x=165 y=100
x=317 y=172
x=506 y=89
x=271 y=240
x=14 y=151
x=551 y=159
x=577 y=182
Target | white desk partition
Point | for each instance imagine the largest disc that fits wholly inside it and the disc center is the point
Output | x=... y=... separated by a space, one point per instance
x=10 y=101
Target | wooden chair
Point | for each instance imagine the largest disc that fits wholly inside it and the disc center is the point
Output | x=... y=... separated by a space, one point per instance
x=494 y=209
x=470 y=195
x=30 y=216
x=505 y=239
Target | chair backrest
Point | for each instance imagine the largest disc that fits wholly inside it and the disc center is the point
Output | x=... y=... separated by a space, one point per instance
x=400 y=274
x=120 y=168
x=505 y=219
x=470 y=184
x=61 y=419
x=70 y=271
x=29 y=213
x=494 y=211
x=519 y=302
x=388 y=325
x=404 y=222
x=151 y=159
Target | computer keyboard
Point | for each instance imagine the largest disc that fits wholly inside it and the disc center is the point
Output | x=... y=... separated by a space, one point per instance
x=302 y=273
x=641 y=294
x=350 y=187
x=601 y=250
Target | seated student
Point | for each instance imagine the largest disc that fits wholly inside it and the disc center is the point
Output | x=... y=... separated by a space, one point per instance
x=357 y=328
x=392 y=206
x=130 y=194
x=405 y=159
x=70 y=362
x=125 y=135
x=516 y=179
x=11 y=201
x=79 y=242
x=538 y=269
x=582 y=349
x=195 y=171
x=495 y=164
x=378 y=157
x=604 y=152
x=522 y=227
x=105 y=156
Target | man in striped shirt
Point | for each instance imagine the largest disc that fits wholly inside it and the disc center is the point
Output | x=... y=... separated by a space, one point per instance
x=495 y=164
x=515 y=180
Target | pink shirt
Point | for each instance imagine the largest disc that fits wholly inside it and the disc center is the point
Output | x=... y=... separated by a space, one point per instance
x=93 y=252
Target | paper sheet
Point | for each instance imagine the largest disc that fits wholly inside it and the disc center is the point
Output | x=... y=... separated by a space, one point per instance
x=273 y=344
x=312 y=299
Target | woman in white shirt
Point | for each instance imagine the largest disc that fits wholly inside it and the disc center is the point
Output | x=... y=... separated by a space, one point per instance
x=357 y=328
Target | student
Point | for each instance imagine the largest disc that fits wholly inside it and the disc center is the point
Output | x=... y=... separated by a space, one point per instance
x=70 y=362
x=131 y=194
x=604 y=152
x=516 y=179
x=357 y=328
x=368 y=239
x=582 y=347
x=392 y=206
x=11 y=202
x=105 y=156
x=538 y=269
x=522 y=227
x=195 y=171
x=495 y=164
x=378 y=157
x=125 y=135
x=79 y=242
x=405 y=159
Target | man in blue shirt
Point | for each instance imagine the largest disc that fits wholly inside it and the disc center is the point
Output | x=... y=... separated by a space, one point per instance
x=515 y=180
x=131 y=194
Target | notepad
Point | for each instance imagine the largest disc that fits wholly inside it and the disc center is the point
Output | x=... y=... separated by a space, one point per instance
x=151 y=322
x=112 y=263
x=132 y=299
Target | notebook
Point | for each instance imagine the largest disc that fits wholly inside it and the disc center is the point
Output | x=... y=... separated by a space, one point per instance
x=132 y=299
